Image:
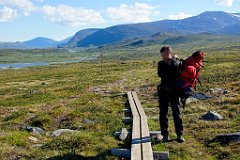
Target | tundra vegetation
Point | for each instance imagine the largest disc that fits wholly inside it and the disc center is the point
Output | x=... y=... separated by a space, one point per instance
x=85 y=97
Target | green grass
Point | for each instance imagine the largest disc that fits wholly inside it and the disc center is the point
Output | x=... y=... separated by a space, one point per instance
x=84 y=96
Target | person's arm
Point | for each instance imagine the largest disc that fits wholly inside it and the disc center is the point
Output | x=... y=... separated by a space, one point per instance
x=161 y=71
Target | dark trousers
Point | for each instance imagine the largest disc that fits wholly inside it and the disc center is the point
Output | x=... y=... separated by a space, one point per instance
x=165 y=97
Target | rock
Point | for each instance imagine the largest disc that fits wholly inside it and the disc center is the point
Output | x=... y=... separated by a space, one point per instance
x=124 y=134
x=218 y=90
x=157 y=137
x=227 y=138
x=34 y=139
x=58 y=132
x=86 y=121
x=37 y=145
x=35 y=130
x=201 y=96
x=191 y=100
x=212 y=115
x=34 y=91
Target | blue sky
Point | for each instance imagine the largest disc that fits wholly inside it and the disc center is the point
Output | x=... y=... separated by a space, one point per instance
x=22 y=20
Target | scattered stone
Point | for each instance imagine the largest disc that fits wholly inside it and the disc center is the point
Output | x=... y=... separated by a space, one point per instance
x=218 y=90
x=35 y=130
x=34 y=139
x=157 y=137
x=201 y=96
x=87 y=121
x=37 y=145
x=191 y=100
x=58 y=132
x=212 y=115
x=227 y=138
x=34 y=91
x=124 y=134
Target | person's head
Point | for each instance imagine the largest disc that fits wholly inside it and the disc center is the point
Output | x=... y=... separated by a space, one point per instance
x=166 y=53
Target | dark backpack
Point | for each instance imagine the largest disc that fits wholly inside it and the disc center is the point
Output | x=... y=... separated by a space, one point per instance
x=189 y=72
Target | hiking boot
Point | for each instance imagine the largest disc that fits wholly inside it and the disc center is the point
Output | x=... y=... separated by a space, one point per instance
x=165 y=139
x=180 y=139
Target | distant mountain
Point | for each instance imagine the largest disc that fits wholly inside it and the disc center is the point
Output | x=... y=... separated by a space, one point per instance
x=80 y=35
x=216 y=22
x=14 y=45
x=65 y=41
x=41 y=42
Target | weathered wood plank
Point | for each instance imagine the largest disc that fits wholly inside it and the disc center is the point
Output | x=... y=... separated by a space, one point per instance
x=132 y=104
x=146 y=140
x=141 y=143
x=136 y=139
x=147 y=153
x=138 y=104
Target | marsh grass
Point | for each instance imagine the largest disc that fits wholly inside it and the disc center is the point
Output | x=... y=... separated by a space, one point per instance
x=84 y=96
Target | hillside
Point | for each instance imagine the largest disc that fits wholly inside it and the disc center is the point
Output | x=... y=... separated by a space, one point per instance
x=78 y=37
x=216 y=22
x=41 y=42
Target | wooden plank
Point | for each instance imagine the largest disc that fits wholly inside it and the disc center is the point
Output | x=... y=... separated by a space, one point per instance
x=140 y=141
x=136 y=139
x=141 y=148
x=136 y=132
x=147 y=153
x=132 y=104
x=138 y=104
x=146 y=141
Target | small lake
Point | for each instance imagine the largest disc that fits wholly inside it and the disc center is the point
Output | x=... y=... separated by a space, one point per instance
x=32 y=64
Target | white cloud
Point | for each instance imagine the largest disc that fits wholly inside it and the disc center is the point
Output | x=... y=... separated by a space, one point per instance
x=67 y=15
x=25 y=6
x=226 y=3
x=7 y=14
x=181 y=15
x=139 y=12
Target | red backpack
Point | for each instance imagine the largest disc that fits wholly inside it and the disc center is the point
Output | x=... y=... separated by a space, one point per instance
x=190 y=69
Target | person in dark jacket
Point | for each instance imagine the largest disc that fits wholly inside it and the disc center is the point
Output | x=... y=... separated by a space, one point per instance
x=168 y=93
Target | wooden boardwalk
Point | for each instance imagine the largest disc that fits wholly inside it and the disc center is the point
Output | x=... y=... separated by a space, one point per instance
x=141 y=148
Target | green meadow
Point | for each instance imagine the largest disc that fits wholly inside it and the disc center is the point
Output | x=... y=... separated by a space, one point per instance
x=86 y=97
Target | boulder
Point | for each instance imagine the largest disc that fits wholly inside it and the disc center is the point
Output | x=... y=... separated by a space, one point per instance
x=58 y=132
x=35 y=130
x=124 y=134
x=218 y=90
x=201 y=96
x=33 y=139
x=212 y=115
x=191 y=100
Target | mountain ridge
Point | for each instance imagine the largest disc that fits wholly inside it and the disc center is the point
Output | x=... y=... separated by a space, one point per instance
x=214 y=22
x=209 y=21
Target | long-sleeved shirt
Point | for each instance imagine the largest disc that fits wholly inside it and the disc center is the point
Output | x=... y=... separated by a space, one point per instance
x=168 y=73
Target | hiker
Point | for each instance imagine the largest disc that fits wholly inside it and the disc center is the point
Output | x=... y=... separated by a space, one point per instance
x=168 y=93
